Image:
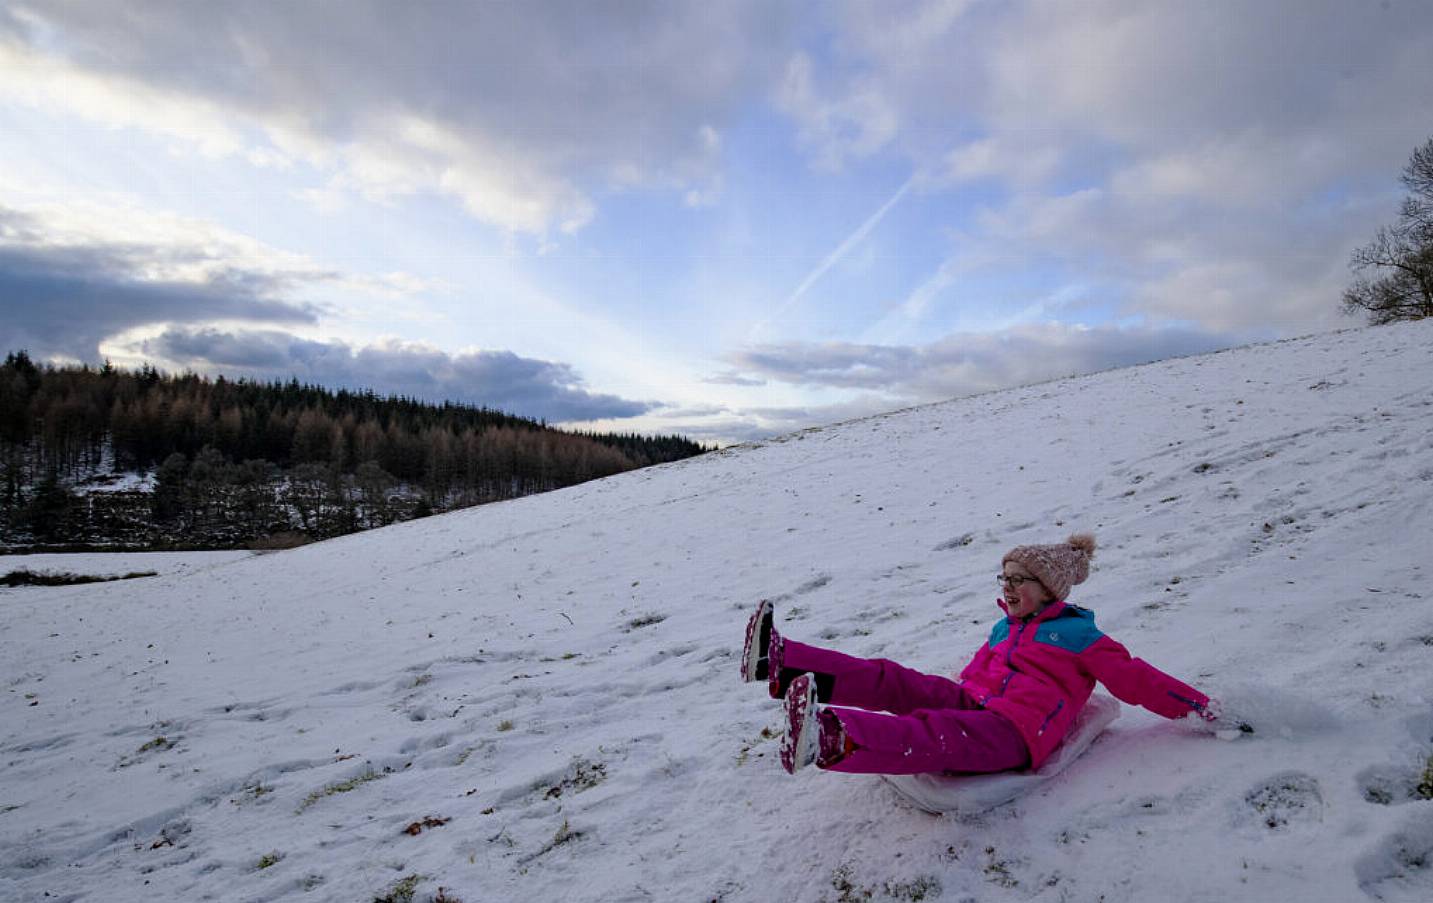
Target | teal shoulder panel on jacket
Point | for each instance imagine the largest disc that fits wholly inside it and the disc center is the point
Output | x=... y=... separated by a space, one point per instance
x=999 y=632
x=1074 y=630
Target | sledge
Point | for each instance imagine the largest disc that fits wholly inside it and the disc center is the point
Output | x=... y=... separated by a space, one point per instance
x=969 y=794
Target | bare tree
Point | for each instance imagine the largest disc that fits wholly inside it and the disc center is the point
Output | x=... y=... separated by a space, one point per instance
x=1394 y=272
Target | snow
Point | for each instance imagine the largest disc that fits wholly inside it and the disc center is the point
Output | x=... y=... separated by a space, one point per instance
x=557 y=676
x=106 y=481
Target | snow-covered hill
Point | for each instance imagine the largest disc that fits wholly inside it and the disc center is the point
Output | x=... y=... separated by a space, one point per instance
x=552 y=684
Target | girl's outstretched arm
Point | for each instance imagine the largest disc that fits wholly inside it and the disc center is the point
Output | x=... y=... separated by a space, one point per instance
x=1137 y=682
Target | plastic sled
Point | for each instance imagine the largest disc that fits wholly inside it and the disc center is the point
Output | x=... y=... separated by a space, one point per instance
x=973 y=793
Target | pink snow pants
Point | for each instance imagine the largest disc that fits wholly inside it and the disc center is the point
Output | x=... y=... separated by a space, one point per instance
x=934 y=725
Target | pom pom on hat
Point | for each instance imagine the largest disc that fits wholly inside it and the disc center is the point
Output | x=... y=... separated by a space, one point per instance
x=1084 y=542
x=1058 y=567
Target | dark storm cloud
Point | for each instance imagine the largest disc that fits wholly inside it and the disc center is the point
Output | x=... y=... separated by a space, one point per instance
x=497 y=379
x=64 y=301
x=968 y=363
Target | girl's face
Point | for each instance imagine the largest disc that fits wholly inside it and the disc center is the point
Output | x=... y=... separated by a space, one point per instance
x=1026 y=599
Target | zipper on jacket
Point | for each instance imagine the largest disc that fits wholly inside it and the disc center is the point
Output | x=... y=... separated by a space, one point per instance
x=1189 y=702
x=1009 y=663
x=1050 y=717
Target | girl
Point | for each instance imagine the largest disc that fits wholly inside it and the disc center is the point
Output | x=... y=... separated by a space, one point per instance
x=1009 y=708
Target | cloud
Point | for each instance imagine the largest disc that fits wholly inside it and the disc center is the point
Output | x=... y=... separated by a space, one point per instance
x=62 y=298
x=520 y=112
x=875 y=379
x=732 y=378
x=856 y=124
x=75 y=274
x=65 y=303
x=1002 y=157
x=964 y=364
x=727 y=425
x=1147 y=147
x=496 y=379
x=893 y=74
x=1165 y=74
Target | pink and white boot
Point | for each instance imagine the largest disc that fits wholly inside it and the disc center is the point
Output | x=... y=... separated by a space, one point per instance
x=756 y=650
x=801 y=740
x=813 y=734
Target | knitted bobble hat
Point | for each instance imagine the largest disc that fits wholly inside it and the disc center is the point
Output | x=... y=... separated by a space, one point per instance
x=1057 y=567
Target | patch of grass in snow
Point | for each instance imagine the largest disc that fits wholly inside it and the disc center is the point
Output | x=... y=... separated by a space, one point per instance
x=258 y=791
x=583 y=775
x=352 y=783
x=564 y=834
x=402 y=890
x=158 y=744
x=1424 y=788
x=32 y=578
x=848 y=890
x=766 y=734
x=644 y=621
x=915 y=890
x=278 y=542
x=1286 y=798
x=1378 y=795
x=505 y=725
x=428 y=821
x=270 y=859
x=960 y=541
x=997 y=871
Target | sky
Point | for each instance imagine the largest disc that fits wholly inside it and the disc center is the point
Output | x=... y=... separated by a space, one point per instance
x=725 y=220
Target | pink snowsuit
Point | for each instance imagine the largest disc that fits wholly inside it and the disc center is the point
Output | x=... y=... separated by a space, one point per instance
x=1010 y=707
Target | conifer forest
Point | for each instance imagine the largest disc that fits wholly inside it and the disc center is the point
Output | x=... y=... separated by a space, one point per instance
x=111 y=458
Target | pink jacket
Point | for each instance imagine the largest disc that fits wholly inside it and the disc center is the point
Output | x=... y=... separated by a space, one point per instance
x=1040 y=672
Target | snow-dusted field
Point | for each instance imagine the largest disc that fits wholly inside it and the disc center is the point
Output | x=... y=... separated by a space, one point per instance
x=552 y=681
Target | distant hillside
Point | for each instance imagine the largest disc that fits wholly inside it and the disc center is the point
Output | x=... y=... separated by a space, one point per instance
x=113 y=457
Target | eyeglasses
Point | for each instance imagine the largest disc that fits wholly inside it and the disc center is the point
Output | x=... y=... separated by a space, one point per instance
x=1015 y=581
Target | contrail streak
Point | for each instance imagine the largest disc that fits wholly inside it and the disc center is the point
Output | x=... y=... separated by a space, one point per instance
x=844 y=248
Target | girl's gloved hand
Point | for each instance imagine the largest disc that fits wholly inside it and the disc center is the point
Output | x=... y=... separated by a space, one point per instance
x=1221 y=724
x=1213 y=710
